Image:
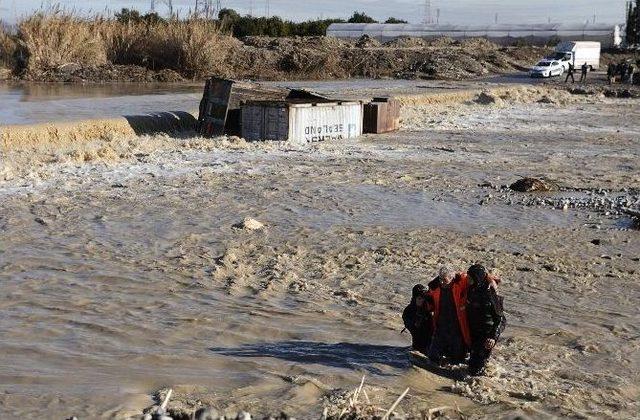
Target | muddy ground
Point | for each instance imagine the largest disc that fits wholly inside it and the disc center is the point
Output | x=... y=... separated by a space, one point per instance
x=125 y=271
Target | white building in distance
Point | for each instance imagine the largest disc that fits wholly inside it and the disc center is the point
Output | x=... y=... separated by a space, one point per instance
x=505 y=34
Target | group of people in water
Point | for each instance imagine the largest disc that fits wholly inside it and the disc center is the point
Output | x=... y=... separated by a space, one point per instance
x=457 y=318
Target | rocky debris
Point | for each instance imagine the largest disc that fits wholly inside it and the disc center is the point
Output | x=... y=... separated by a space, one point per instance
x=547 y=100
x=622 y=93
x=6 y=173
x=207 y=413
x=339 y=404
x=249 y=224
x=74 y=73
x=487 y=98
x=365 y=41
x=581 y=91
x=287 y=58
x=532 y=184
x=607 y=203
x=634 y=213
x=160 y=412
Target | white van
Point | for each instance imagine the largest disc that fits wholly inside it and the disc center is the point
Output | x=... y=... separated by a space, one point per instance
x=578 y=53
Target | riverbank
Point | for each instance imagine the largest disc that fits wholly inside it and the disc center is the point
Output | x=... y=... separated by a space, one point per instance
x=65 y=48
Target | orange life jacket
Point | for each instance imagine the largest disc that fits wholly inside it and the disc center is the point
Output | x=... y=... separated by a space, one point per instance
x=459 y=288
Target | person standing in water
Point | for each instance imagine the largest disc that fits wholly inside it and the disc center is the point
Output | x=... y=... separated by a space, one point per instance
x=485 y=315
x=447 y=300
x=417 y=320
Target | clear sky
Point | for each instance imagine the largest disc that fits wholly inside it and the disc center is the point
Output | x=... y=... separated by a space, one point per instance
x=451 y=11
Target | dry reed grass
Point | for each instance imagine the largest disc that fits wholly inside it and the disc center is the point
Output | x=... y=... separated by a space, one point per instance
x=193 y=47
x=8 y=48
x=54 y=40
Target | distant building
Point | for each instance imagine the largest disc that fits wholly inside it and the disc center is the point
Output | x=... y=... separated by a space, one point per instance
x=506 y=34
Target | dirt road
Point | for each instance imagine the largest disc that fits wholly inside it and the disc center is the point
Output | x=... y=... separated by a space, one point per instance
x=122 y=270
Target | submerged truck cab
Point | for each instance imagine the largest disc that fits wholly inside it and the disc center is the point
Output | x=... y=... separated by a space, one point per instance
x=577 y=53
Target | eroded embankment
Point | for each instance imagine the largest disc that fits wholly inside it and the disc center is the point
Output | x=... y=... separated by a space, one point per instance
x=65 y=134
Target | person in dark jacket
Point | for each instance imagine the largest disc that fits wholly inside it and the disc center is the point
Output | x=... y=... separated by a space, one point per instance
x=418 y=320
x=622 y=70
x=585 y=70
x=447 y=299
x=570 y=72
x=611 y=73
x=485 y=317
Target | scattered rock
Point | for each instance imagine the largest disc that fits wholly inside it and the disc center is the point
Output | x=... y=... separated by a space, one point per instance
x=6 y=174
x=249 y=224
x=207 y=413
x=547 y=100
x=487 y=98
x=532 y=184
x=243 y=415
x=365 y=41
x=581 y=91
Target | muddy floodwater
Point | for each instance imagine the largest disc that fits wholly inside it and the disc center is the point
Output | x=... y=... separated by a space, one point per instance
x=125 y=271
x=35 y=103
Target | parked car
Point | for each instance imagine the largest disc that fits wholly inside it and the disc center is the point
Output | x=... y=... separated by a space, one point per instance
x=547 y=68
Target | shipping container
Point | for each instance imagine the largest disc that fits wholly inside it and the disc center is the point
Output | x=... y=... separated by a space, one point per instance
x=220 y=107
x=382 y=115
x=301 y=122
x=220 y=104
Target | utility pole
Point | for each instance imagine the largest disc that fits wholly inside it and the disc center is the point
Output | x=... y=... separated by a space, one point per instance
x=496 y=18
x=266 y=8
x=251 y=8
x=428 y=20
x=153 y=6
x=438 y=16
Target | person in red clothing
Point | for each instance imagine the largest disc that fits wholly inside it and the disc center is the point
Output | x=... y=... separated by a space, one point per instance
x=447 y=303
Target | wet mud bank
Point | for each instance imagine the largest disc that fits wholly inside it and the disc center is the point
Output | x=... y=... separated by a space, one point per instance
x=131 y=271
